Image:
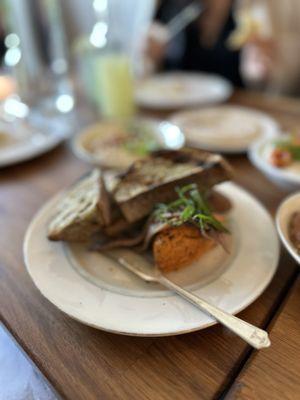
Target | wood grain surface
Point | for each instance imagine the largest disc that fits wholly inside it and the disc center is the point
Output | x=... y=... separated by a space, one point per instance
x=276 y=371
x=85 y=364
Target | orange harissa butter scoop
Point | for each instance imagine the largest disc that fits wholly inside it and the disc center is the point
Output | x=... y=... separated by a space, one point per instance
x=178 y=246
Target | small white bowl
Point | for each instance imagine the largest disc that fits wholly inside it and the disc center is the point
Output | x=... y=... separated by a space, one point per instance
x=283 y=215
x=286 y=180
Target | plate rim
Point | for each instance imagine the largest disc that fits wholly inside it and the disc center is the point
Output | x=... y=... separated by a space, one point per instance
x=32 y=151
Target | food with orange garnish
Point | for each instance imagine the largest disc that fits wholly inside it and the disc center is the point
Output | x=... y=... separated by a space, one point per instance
x=189 y=229
x=286 y=151
x=177 y=247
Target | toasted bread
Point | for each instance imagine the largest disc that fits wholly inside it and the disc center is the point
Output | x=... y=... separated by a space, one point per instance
x=153 y=179
x=83 y=210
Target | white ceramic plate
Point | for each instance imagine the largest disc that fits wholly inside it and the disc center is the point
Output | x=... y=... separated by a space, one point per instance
x=226 y=129
x=97 y=292
x=285 y=178
x=27 y=141
x=178 y=89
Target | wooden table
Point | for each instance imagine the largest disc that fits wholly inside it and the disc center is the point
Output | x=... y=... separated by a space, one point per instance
x=83 y=364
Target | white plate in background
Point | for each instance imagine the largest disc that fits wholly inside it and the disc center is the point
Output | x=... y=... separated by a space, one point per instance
x=27 y=140
x=224 y=128
x=173 y=90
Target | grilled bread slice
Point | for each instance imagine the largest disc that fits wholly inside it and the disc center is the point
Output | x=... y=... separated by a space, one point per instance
x=153 y=179
x=83 y=210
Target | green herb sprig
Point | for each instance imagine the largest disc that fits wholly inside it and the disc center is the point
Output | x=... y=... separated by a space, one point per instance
x=141 y=141
x=190 y=207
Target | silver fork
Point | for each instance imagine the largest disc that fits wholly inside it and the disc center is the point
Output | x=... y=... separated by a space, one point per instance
x=137 y=264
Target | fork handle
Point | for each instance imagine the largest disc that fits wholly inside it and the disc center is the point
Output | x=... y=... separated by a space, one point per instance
x=256 y=337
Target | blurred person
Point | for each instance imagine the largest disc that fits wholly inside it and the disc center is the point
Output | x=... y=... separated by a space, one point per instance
x=201 y=46
x=269 y=34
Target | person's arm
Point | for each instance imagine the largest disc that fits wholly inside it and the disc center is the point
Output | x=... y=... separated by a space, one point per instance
x=212 y=20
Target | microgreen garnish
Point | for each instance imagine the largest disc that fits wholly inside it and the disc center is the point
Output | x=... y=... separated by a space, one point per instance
x=190 y=207
x=141 y=141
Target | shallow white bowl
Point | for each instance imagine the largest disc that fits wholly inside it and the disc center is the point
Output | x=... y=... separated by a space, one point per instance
x=286 y=180
x=167 y=135
x=284 y=213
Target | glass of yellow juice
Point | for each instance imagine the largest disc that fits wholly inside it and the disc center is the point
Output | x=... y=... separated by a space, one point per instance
x=113 y=73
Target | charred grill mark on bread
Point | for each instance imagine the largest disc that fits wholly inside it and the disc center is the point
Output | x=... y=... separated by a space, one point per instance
x=110 y=209
x=153 y=179
x=83 y=210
